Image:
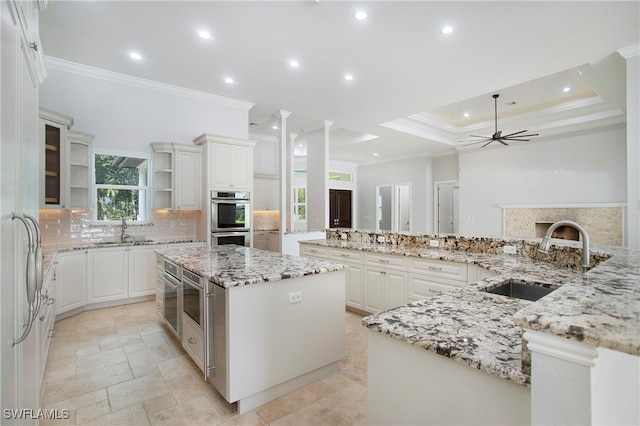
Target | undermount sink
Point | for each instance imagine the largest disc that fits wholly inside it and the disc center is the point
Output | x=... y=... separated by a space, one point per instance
x=523 y=290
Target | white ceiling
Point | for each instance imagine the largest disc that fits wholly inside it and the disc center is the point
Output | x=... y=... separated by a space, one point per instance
x=411 y=83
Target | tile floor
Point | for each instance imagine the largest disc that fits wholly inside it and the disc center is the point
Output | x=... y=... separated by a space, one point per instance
x=119 y=366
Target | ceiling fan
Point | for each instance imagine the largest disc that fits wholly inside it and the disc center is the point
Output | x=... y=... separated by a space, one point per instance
x=497 y=136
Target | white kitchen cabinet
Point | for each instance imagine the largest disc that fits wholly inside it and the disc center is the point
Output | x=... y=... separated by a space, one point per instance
x=384 y=288
x=317 y=252
x=108 y=274
x=261 y=240
x=266 y=192
x=229 y=162
x=188 y=163
x=177 y=176
x=71 y=280
x=193 y=340
x=142 y=270
x=45 y=324
x=65 y=163
x=477 y=273
x=274 y=242
x=354 y=288
x=421 y=286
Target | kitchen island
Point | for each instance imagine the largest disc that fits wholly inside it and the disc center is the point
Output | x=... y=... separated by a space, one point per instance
x=594 y=316
x=278 y=326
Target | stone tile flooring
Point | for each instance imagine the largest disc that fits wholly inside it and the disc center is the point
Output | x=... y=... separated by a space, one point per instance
x=120 y=366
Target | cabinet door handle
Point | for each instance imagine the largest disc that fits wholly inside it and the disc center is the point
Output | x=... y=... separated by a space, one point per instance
x=51 y=301
x=435 y=268
x=190 y=340
x=344 y=255
x=41 y=317
x=383 y=260
x=51 y=333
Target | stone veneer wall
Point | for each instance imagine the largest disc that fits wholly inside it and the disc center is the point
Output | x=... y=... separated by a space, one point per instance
x=57 y=230
x=568 y=255
x=603 y=224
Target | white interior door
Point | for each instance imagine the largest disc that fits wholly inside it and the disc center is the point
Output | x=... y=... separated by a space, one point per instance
x=447 y=211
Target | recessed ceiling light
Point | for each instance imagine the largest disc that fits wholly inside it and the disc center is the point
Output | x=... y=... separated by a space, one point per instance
x=274 y=127
x=135 y=56
x=447 y=30
x=466 y=114
x=294 y=64
x=566 y=89
x=228 y=80
x=375 y=154
x=348 y=77
x=300 y=145
x=360 y=15
x=204 y=35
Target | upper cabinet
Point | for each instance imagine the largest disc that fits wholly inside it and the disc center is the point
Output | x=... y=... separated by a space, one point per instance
x=65 y=163
x=266 y=192
x=229 y=160
x=177 y=176
x=26 y=15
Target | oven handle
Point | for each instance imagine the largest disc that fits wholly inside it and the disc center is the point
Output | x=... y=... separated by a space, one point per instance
x=230 y=201
x=170 y=280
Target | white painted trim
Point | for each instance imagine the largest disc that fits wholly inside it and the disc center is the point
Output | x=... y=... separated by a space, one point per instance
x=114 y=77
x=630 y=51
x=561 y=348
x=559 y=206
x=207 y=137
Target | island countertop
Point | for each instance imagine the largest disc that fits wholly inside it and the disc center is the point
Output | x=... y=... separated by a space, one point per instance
x=600 y=307
x=231 y=265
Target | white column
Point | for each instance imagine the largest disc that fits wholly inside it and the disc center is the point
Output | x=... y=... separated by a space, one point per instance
x=290 y=177
x=632 y=56
x=283 y=173
x=317 y=178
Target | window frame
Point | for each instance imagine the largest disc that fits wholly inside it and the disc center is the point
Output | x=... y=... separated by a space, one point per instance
x=148 y=188
x=296 y=203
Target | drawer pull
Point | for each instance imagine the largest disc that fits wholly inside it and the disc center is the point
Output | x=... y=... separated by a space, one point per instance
x=435 y=268
x=190 y=340
x=383 y=260
x=344 y=255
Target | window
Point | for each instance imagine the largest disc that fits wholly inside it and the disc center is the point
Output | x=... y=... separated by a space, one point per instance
x=300 y=203
x=121 y=187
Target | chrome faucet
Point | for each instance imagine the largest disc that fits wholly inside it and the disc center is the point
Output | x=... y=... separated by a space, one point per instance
x=123 y=236
x=546 y=241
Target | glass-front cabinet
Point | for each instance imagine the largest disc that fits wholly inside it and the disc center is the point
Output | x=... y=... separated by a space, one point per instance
x=65 y=163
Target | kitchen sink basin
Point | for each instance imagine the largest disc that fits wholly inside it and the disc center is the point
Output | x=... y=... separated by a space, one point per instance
x=523 y=290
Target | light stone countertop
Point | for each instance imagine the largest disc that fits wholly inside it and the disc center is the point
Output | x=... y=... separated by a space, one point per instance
x=484 y=330
x=231 y=265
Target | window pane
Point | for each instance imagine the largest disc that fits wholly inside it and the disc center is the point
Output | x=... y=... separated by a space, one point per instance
x=116 y=170
x=340 y=176
x=118 y=204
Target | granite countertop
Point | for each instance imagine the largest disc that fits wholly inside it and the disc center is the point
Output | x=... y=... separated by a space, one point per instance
x=600 y=307
x=49 y=251
x=231 y=265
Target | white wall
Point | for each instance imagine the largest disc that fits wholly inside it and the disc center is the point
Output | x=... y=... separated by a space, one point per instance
x=125 y=116
x=417 y=171
x=266 y=155
x=445 y=167
x=583 y=168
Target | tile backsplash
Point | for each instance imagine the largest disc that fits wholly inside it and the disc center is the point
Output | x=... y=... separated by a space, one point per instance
x=76 y=227
x=266 y=220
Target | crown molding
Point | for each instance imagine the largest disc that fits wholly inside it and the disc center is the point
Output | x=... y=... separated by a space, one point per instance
x=630 y=51
x=114 y=77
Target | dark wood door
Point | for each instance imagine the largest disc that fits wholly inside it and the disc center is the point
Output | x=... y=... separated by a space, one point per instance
x=339 y=208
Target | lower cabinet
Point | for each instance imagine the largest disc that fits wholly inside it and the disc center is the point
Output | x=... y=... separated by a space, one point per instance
x=193 y=340
x=384 y=289
x=71 y=279
x=108 y=274
x=142 y=270
x=261 y=240
x=421 y=286
x=354 y=296
x=45 y=324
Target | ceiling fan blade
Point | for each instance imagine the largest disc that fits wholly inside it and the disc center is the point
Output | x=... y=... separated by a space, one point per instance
x=518 y=139
x=502 y=142
x=473 y=142
x=516 y=133
x=483 y=137
x=491 y=140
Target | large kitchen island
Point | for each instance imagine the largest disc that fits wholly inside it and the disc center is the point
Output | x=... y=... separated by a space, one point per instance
x=276 y=322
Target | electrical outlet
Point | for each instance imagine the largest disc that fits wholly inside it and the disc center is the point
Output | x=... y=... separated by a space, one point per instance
x=75 y=228
x=172 y=224
x=343 y=236
x=381 y=239
x=295 y=297
x=434 y=243
x=509 y=249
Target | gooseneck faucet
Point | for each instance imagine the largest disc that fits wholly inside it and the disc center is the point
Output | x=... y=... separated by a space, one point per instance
x=546 y=241
x=123 y=236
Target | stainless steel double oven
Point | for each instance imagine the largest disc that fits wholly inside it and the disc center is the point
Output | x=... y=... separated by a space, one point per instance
x=230 y=218
x=172 y=280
